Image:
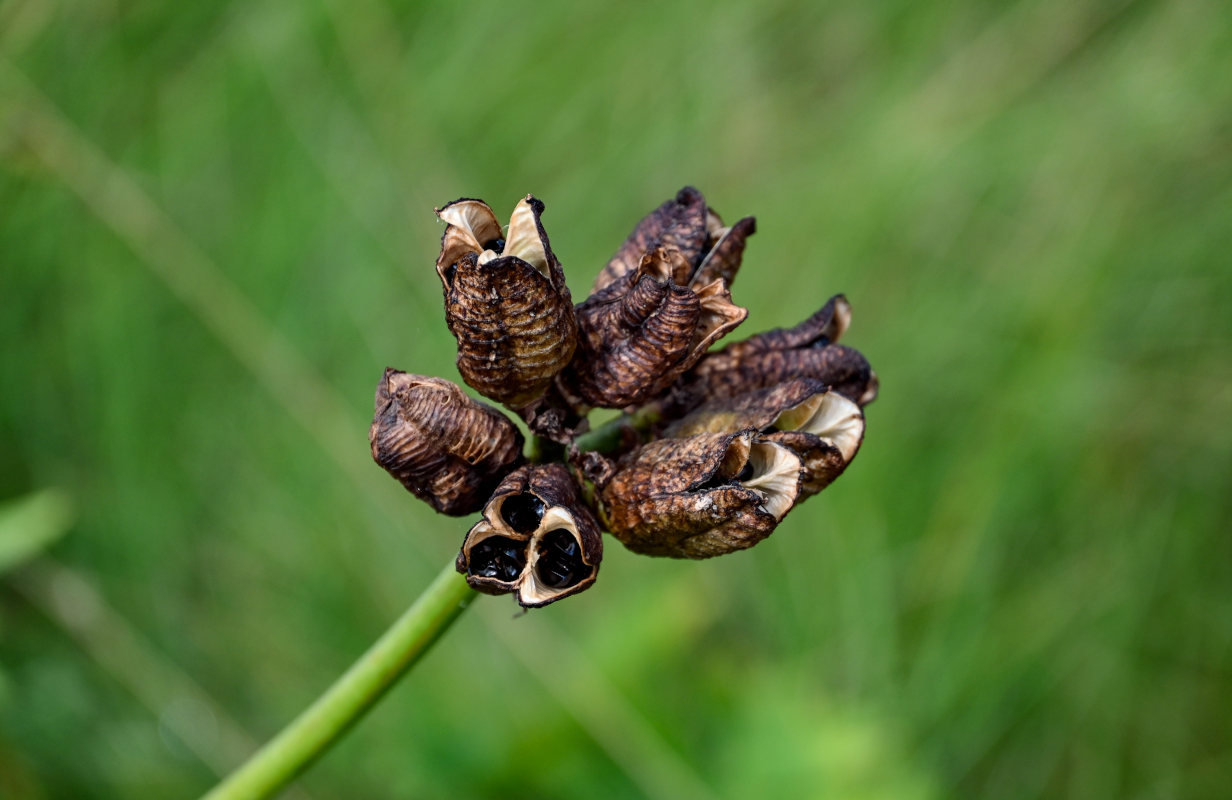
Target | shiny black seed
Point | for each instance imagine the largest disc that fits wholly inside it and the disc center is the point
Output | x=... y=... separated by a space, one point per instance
x=498 y=557
x=450 y=271
x=746 y=473
x=522 y=512
x=496 y=246
x=560 y=562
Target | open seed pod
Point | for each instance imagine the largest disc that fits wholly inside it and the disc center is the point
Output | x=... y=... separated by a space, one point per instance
x=444 y=447
x=700 y=496
x=685 y=224
x=822 y=427
x=505 y=300
x=808 y=350
x=640 y=332
x=537 y=539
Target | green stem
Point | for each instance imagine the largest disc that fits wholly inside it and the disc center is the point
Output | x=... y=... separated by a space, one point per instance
x=610 y=436
x=312 y=732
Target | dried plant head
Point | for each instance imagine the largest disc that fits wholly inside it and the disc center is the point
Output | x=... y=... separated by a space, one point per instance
x=537 y=539
x=700 y=496
x=685 y=224
x=823 y=428
x=445 y=448
x=809 y=350
x=506 y=301
x=639 y=333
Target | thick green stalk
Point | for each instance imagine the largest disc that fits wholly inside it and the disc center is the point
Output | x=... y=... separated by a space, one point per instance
x=326 y=720
x=313 y=731
x=611 y=435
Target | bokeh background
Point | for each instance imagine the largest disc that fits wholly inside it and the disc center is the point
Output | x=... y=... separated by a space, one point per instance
x=216 y=230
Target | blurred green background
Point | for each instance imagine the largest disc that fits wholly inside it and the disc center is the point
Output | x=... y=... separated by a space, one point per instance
x=216 y=230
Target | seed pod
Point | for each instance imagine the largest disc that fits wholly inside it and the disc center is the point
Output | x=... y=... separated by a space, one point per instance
x=725 y=249
x=768 y=359
x=638 y=334
x=505 y=300
x=444 y=447
x=537 y=539
x=701 y=496
x=823 y=428
x=686 y=225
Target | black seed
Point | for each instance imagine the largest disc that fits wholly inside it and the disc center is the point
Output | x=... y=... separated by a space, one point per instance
x=522 y=512
x=746 y=473
x=450 y=271
x=498 y=557
x=771 y=429
x=560 y=562
x=496 y=246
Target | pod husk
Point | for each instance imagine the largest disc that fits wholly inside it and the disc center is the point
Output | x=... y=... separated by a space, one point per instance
x=823 y=428
x=510 y=312
x=562 y=508
x=683 y=498
x=639 y=333
x=445 y=448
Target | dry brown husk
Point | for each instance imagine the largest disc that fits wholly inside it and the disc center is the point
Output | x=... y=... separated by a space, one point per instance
x=820 y=426
x=809 y=350
x=686 y=225
x=638 y=334
x=511 y=312
x=445 y=448
x=682 y=497
x=563 y=509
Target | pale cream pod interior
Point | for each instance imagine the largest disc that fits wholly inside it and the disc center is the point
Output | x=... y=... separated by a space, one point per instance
x=522 y=240
x=776 y=477
x=530 y=590
x=475 y=218
x=829 y=416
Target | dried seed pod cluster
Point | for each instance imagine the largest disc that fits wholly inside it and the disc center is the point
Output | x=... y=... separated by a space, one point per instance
x=713 y=450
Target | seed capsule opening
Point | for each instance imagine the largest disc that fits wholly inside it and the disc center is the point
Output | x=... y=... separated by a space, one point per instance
x=522 y=512
x=774 y=473
x=828 y=416
x=560 y=562
x=498 y=557
x=732 y=468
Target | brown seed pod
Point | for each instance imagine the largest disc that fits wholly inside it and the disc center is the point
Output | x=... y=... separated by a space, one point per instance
x=822 y=427
x=768 y=359
x=536 y=539
x=638 y=334
x=505 y=300
x=445 y=448
x=701 y=496
x=725 y=249
x=684 y=224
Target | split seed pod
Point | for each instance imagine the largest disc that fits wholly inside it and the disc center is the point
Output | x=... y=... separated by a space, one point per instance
x=823 y=428
x=537 y=539
x=640 y=332
x=505 y=300
x=444 y=447
x=700 y=496
x=809 y=350
x=687 y=225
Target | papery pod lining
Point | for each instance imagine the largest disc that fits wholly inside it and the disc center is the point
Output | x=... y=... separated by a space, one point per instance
x=470 y=226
